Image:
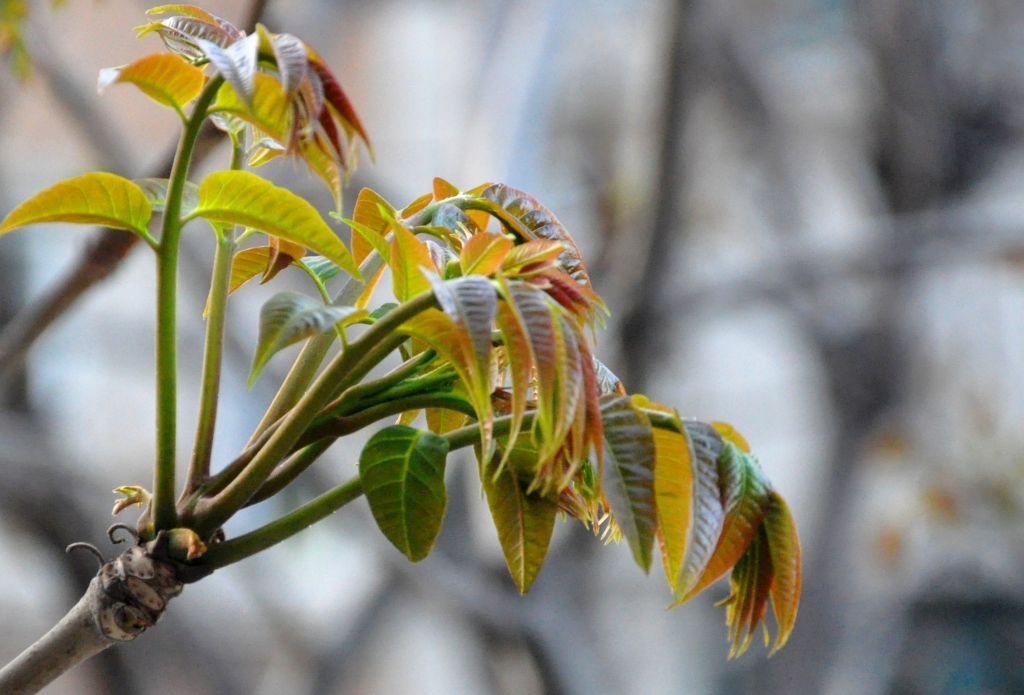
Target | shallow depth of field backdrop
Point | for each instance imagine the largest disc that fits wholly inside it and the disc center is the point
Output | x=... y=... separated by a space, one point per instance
x=808 y=219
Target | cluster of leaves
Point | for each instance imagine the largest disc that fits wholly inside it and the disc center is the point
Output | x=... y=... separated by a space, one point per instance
x=497 y=317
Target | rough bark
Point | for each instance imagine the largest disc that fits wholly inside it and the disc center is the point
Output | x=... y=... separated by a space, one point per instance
x=125 y=598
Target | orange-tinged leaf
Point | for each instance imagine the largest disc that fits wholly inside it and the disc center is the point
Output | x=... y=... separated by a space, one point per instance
x=731 y=434
x=524 y=523
x=282 y=254
x=534 y=253
x=247 y=264
x=240 y=197
x=519 y=357
x=673 y=490
x=784 y=546
x=317 y=154
x=531 y=309
x=745 y=494
x=444 y=189
x=628 y=481
x=185 y=9
x=374 y=214
x=165 y=78
x=336 y=98
x=523 y=215
x=417 y=205
x=408 y=256
x=484 y=253
x=96 y=198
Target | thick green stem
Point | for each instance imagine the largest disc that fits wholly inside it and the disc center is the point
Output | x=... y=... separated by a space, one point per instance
x=164 y=514
x=343 y=370
x=199 y=468
x=273 y=533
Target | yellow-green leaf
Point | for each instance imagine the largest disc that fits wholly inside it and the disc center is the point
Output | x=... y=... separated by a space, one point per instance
x=673 y=492
x=484 y=253
x=240 y=197
x=270 y=110
x=524 y=523
x=166 y=78
x=373 y=213
x=96 y=198
x=408 y=256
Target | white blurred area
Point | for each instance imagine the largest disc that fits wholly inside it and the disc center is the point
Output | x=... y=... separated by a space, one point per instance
x=843 y=284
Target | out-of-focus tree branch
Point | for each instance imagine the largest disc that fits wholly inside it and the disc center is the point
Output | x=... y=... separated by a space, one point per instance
x=110 y=247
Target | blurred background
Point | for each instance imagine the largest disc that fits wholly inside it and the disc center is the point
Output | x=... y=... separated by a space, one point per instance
x=806 y=217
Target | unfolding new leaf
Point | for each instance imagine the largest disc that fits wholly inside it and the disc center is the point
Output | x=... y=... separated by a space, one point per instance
x=444 y=189
x=236 y=63
x=374 y=214
x=321 y=267
x=240 y=197
x=532 y=255
x=629 y=474
x=290 y=57
x=269 y=109
x=96 y=198
x=402 y=475
x=524 y=523
x=745 y=495
x=484 y=253
x=155 y=191
x=417 y=205
x=166 y=78
x=708 y=513
x=519 y=356
x=336 y=98
x=408 y=257
x=523 y=215
x=289 y=317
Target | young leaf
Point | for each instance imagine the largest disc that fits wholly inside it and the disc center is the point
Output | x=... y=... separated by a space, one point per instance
x=336 y=98
x=374 y=214
x=745 y=496
x=236 y=63
x=408 y=256
x=155 y=191
x=321 y=267
x=269 y=109
x=96 y=198
x=165 y=78
x=524 y=216
x=532 y=255
x=444 y=189
x=402 y=474
x=247 y=264
x=784 y=547
x=181 y=32
x=708 y=513
x=524 y=523
x=240 y=197
x=484 y=253
x=629 y=474
x=673 y=490
x=291 y=60
x=289 y=317
x=519 y=356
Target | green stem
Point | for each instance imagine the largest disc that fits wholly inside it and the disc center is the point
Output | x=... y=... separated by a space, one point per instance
x=312 y=355
x=239 y=548
x=344 y=369
x=260 y=539
x=164 y=514
x=199 y=468
x=307 y=363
